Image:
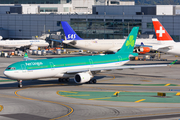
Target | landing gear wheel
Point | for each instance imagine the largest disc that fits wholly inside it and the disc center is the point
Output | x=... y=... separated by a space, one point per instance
x=94 y=81
x=60 y=80
x=20 y=83
x=63 y=80
x=90 y=82
x=67 y=80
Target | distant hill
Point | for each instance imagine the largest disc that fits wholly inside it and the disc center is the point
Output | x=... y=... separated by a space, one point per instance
x=155 y=2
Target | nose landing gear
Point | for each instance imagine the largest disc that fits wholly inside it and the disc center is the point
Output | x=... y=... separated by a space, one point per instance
x=19 y=83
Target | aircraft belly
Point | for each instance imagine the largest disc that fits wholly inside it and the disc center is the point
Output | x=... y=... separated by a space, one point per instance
x=32 y=74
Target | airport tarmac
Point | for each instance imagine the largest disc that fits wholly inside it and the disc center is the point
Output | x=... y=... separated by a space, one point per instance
x=47 y=99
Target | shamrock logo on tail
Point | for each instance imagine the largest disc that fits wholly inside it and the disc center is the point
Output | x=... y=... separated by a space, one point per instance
x=130 y=42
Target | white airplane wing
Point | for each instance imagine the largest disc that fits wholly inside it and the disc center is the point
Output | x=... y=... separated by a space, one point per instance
x=118 y=67
x=157 y=47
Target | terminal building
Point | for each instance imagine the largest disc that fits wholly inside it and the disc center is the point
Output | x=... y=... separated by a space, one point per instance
x=103 y=19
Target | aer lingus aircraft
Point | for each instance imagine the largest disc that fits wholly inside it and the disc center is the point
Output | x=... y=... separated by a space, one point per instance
x=102 y=44
x=82 y=68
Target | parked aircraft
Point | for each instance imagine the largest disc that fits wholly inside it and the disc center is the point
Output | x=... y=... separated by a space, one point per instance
x=102 y=44
x=165 y=42
x=17 y=44
x=82 y=68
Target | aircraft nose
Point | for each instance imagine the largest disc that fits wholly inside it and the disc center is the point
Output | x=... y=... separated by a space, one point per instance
x=6 y=73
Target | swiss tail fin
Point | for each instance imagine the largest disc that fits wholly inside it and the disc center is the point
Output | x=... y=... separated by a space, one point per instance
x=128 y=45
x=69 y=32
x=161 y=33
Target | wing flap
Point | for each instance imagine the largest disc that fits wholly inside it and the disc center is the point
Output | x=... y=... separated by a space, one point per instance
x=115 y=68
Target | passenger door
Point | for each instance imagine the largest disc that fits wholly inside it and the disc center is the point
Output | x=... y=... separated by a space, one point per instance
x=52 y=65
x=91 y=62
x=23 y=68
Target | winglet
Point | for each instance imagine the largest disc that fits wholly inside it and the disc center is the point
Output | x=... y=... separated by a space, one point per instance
x=26 y=58
x=173 y=62
x=25 y=55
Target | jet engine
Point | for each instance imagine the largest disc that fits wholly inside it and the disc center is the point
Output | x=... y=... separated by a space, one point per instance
x=82 y=77
x=142 y=50
x=34 y=47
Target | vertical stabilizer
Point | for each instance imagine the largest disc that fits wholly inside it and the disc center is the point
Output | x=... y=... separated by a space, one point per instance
x=161 y=33
x=128 y=45
x=70 y=34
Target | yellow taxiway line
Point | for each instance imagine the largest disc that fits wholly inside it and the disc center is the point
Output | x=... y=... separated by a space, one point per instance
x=68 y=91
x=76 y=95
x=100 y=98
x=167 y=84
x=178 y=93
x=1 y=108
x=140 y=100
x=71 y=109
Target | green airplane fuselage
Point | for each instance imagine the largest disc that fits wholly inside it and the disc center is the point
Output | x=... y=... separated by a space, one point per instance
x=59 y=65
x=68 y=62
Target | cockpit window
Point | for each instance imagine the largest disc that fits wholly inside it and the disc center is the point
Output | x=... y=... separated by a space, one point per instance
x=11 y=68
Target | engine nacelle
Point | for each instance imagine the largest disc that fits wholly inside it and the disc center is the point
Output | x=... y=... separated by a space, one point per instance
x=34 y=47
x=144 y=50
x=82 y=77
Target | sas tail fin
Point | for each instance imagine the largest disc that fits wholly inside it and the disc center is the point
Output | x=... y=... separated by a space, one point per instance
x=161 y=33
x=69 y=32
x=128 y=45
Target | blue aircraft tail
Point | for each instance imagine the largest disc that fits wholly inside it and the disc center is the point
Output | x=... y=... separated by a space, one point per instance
x=69 y=32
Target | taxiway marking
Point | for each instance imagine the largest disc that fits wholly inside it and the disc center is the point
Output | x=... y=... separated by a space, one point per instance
x=178 y=93
x=1 y=108
x=140 y=100
x=100 y=98
x=116 y=93
x=76 y=95
x=71 y=109
x=167 y=84
x=68 y=91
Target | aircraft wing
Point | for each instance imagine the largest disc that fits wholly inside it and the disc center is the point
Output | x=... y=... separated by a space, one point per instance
x=136 y=45
x=118 y=67
x=157 y=47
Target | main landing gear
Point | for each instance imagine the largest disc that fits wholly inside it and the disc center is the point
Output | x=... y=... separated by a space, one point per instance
x=19 y=83
x=92 y=81
x=65 y=80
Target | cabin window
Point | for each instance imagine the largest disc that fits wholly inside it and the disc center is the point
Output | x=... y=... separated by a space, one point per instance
x=11 y=68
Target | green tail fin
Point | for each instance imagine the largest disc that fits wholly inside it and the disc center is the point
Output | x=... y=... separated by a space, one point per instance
x=128 y=45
